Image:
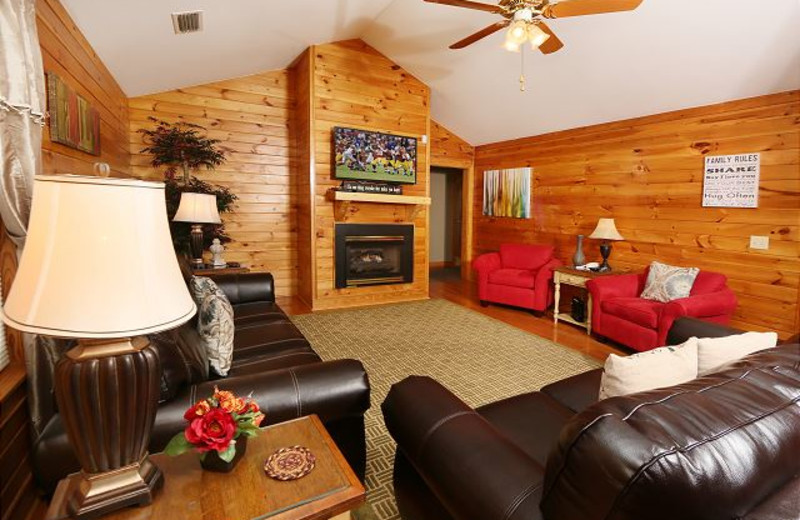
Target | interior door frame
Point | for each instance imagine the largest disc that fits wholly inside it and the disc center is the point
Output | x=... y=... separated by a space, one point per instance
x=467 y=199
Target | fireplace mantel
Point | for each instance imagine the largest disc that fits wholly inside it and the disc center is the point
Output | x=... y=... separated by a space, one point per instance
x=343 y=199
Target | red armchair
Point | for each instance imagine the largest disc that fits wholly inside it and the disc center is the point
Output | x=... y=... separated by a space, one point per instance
x=519 y=275
x=618 y=312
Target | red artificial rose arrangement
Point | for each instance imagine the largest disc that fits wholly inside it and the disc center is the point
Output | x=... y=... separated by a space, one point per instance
x=215 y=424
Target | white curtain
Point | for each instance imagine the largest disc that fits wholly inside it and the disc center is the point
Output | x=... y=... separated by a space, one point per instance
x=22 y=109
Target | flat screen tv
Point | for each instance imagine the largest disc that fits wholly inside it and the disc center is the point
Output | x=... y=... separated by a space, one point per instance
x=374 y=156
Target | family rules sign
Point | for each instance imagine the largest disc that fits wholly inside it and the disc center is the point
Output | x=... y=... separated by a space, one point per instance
x=731 y=181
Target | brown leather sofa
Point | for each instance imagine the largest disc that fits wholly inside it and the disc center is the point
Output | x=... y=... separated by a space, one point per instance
x=272 y=360
x=720 y=447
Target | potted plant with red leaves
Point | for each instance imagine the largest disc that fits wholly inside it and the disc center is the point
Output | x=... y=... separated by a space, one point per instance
x=184 y=148
x=218 y=430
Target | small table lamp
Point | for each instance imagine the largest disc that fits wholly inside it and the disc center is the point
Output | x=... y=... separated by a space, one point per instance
x=99 y=265
x=197 y=209
x=606 y=231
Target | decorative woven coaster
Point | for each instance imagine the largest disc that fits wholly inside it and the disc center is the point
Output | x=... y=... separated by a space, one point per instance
x=290 y=463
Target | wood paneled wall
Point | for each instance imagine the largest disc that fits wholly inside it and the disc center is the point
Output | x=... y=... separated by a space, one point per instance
x=252 y=116
x=66 y=52
x=350 y=84
x=448 y=150
x=647 y=173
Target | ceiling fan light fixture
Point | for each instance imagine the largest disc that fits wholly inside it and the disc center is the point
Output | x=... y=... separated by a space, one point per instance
x=537 y=36
x=518 y=33
x=511 y=46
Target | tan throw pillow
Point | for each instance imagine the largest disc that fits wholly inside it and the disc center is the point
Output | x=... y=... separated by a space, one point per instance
x=714 y=353
x=659 y=368
x=666 y=282
x=214 y=322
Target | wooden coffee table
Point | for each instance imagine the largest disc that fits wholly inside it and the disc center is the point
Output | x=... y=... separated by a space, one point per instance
x=331 y=490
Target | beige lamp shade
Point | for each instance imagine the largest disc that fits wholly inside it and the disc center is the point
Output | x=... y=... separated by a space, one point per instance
x=198 y=208
x=98 y=261
x=606 y=230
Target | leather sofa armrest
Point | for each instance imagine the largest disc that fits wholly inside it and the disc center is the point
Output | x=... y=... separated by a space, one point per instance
x=684 y=328
x=247 y=287
x=449 y=444
x=331 y=389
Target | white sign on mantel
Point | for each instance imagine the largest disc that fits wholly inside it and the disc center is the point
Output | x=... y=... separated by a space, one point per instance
x=731 y=181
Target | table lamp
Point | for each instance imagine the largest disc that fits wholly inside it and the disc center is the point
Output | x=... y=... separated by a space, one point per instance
x=197 y=209
x=99 y=266
x=606 y=231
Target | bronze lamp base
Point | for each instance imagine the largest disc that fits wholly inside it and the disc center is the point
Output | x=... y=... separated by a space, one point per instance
x=107 y=393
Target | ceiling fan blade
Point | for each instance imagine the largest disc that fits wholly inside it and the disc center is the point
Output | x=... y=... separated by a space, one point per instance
x=567 y=8
x=553 y=44
x=470 y=5
x=483 y=33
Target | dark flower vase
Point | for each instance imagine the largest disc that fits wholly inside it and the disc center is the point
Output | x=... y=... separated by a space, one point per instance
x=212 y=462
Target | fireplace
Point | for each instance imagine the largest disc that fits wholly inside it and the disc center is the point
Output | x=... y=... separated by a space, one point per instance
x=374 y=254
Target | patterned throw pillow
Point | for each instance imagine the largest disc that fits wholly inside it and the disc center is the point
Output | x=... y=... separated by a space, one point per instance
x=214 y=322
x=666 y=282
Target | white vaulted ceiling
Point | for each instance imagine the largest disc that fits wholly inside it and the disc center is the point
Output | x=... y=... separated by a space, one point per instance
x=666 y=55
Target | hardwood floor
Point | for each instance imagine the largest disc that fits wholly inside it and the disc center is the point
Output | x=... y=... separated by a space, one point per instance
x=447 y=284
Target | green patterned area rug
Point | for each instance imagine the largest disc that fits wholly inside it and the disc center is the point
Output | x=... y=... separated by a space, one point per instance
x=477 y=357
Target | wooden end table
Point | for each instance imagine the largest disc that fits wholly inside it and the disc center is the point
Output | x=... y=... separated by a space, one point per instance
x=575 y=278
x=331 y=490
x=209 y=270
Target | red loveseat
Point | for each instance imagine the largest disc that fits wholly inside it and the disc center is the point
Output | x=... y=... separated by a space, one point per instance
x=519 y=275
x=618 y=312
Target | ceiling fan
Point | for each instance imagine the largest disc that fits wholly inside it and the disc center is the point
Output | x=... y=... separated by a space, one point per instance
x=525 y=18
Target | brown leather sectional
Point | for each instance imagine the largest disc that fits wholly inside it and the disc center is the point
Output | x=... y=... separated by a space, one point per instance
x=720 y=447
x=272 y=360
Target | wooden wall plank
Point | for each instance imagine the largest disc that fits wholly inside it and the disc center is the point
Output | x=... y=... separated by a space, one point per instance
x=254 y=117
x=647 y=173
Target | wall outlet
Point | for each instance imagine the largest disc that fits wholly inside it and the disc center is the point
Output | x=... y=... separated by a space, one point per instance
x=758 y=242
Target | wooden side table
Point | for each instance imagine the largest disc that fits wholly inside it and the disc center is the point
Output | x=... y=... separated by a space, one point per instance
x=331 y=490
x=575 y=278
x=211 y=271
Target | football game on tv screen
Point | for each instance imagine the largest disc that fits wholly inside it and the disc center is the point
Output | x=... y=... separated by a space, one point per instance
x=373 y=156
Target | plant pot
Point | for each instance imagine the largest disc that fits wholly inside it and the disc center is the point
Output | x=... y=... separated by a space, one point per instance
x=212 y=462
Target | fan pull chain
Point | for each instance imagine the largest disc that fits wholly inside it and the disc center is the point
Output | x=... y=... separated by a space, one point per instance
x=522 y=70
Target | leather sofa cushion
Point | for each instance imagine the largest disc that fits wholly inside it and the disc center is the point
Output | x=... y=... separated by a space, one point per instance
x=257 y=312
x=513 y=277
x=531 y=421
x=525 y=256
x=637 y=310
x=268 y=339
x=259 y=364
x=577 y=392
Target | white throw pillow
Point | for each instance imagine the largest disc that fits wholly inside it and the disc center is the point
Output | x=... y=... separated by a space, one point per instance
x=214 y=322
x=658 y=368
x=715 y=353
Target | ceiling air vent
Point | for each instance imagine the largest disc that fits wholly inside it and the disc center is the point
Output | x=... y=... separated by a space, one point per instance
x=188 y=22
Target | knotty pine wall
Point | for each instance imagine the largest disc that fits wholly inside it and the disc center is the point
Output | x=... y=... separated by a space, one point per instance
x=353 y=85
x=647 y=174
x=66 y=52
x=252 y=116
x=448 y=150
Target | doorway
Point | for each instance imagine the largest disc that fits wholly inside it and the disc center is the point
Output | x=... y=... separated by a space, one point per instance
x=446 y=228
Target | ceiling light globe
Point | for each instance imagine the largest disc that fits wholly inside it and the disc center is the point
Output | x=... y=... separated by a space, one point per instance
x=511 y=46
x=518 y=33
x=537 y=36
